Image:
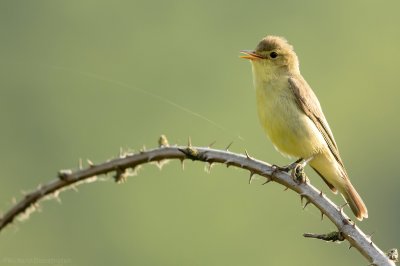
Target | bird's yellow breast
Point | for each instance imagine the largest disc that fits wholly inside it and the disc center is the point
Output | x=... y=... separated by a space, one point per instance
x=288 y=127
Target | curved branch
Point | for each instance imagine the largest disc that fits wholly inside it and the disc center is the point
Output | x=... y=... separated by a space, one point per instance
x=126 y=162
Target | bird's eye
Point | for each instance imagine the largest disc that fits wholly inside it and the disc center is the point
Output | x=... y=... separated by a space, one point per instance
x=273 y=55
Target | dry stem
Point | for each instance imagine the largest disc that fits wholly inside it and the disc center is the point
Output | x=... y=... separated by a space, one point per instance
x=121 y=165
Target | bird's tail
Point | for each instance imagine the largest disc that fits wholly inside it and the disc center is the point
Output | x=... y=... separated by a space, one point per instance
x=355 y=202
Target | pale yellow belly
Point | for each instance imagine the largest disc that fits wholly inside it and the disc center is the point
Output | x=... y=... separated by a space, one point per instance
x=290 y=130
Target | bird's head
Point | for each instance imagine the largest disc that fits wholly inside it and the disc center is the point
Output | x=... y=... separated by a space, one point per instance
x=273 y=55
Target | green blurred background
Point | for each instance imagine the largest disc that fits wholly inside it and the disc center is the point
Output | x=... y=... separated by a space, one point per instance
x=80 y=79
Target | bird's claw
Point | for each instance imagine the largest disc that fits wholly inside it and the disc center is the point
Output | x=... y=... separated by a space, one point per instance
x=285 y=168
x=296 y=169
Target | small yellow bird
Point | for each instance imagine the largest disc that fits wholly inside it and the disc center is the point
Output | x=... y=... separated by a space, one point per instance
x=292 y=117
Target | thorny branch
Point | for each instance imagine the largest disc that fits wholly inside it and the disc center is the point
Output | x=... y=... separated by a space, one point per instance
x=123 y=166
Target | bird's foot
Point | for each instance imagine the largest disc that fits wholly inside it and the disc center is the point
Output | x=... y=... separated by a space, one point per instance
x=298 y=174
x=287 y=168
x=296 y=169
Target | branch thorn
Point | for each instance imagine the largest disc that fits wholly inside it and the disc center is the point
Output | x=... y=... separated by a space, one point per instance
x=143 y=149
x=90 y=163
x=370 y=236
x=211 y=144
x=302 y=196
x=307 y=202
x=229 y=145
x=251 y=177
x=228 y=163
x=208 y=167
x=247 y=154
x=268 y=180
x=120 y=175
x=80 y=164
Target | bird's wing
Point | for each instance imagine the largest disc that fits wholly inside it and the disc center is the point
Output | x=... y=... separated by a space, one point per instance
x=309 y=104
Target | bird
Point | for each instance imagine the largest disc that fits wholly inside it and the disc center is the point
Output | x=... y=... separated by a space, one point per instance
x=292 y=117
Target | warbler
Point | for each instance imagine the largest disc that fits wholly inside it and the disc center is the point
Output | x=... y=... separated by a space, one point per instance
x=292 y=117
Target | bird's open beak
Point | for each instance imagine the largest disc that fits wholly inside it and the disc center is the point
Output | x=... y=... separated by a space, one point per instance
x=251 y=55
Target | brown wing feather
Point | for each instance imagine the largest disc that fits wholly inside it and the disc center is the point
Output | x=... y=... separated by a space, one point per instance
x=309 y=104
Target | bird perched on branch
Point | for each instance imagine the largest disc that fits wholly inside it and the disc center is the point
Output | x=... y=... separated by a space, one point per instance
x=292 y=117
